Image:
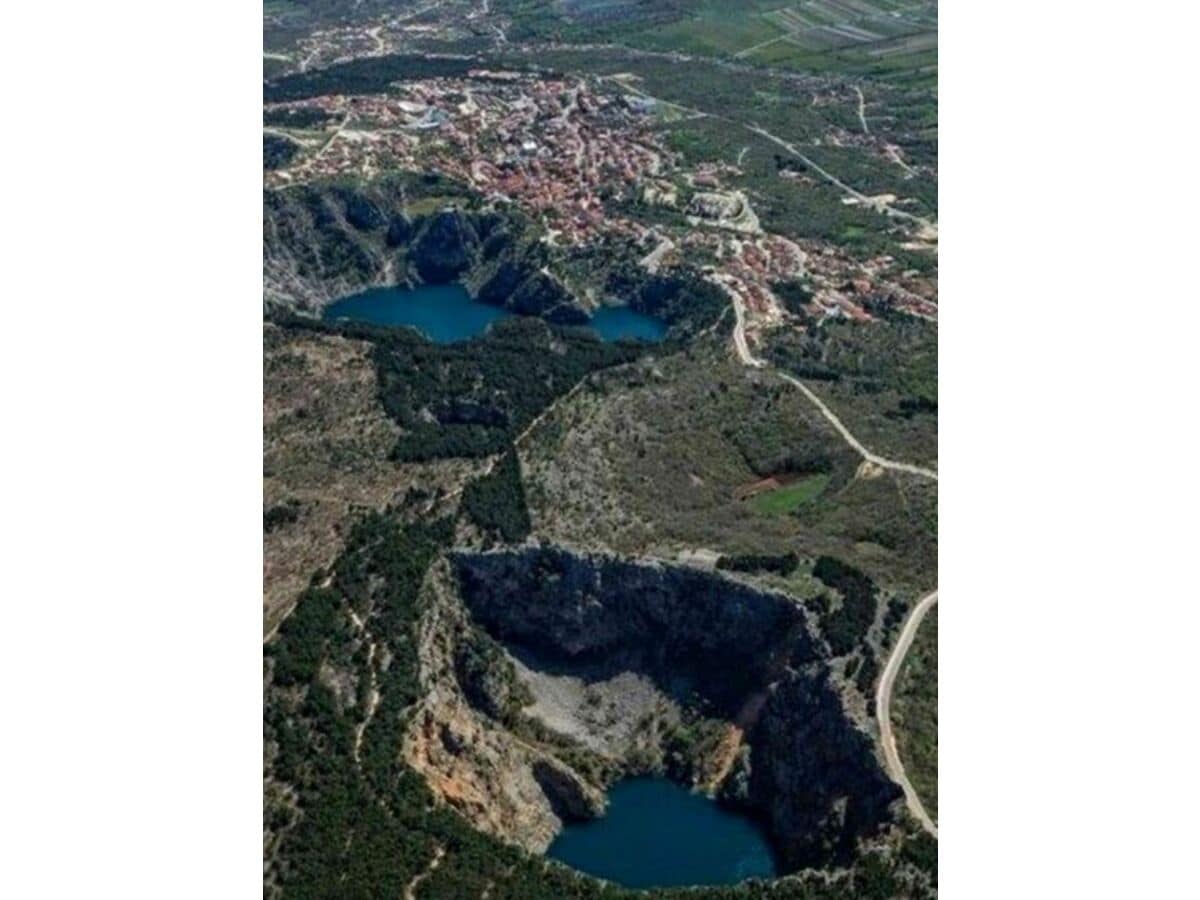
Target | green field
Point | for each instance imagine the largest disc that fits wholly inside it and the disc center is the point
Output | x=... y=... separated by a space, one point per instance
x=792 y=496
x=869 y=37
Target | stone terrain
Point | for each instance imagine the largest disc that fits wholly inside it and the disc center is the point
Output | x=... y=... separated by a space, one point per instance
x=609 y=656
x=324 y=242
x=326 y=440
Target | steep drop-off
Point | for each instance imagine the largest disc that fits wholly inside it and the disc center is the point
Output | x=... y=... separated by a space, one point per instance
x=707 y=643
x=322 y=242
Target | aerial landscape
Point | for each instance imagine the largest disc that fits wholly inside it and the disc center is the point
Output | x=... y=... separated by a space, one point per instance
x=600 y=451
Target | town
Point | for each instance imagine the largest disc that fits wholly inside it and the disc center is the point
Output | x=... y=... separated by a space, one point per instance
x=565 y=151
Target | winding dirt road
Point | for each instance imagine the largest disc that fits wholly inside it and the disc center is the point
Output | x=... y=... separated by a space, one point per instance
x=927 y=227
x=883 y=700
x=749 y=359
x=410 y=892
x=850 y=439
x=883 y=693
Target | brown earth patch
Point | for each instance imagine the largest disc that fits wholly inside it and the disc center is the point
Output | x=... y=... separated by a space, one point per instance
x=770 y=483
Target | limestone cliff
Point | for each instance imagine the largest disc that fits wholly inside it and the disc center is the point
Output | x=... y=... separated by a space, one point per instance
x=322 y=242
x=502 y=784
x=795 y=757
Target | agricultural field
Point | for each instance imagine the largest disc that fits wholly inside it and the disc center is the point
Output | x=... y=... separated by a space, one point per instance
x=790 y=497
x=891 y=39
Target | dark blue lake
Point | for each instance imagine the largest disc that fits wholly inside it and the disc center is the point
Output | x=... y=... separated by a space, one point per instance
x=615 y=323
x=446 y=313
x=658 y=834
x=442 y=312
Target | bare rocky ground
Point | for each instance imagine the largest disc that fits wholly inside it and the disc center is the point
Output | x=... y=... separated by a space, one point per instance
x=608 y=716
x=326 y=441
x=503 y=784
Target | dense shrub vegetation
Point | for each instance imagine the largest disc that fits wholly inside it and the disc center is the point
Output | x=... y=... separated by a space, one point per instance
x=496 y=502
x=847 y=625
x=897 y=360
x=795 y=295
x=367 y=75
x=278 y=151
x=281 y=514
x=297 y=117
x=499 y=384
x=783 y=563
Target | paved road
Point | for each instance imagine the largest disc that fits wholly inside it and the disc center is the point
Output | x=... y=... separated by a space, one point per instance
x=883 y=700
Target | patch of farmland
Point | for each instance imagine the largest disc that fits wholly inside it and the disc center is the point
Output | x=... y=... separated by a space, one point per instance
x=862 y=8
x=901 y=46
x=834 y=11
x=701 y=36
x=791 y=18
x=815 y=39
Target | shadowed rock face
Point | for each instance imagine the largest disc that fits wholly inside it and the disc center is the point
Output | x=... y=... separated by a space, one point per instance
x=324 y=242
x=816 y=773
x=690 y=631
x=446 y=247
x=811 y=772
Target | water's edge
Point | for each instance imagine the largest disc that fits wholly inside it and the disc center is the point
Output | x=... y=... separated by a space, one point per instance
x=445 y=313
x=657 y=833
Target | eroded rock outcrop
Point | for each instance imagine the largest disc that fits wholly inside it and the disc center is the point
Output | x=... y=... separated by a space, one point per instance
x=692 y=631
x=815 y=773
x=503 y=785
x=447 y=245
x=746 y=655
x=322 y=242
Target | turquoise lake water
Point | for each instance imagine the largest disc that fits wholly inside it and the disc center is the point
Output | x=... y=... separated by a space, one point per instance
x=446 y=313
x=442 y=312
x=659 y=834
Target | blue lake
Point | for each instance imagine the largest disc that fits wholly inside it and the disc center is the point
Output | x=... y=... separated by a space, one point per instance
x=659 y=834
x=442 y=312
x=446 y=313
x=615 y=323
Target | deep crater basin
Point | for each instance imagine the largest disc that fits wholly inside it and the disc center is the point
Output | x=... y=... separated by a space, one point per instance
x=592 y=627
x=659 y=834
x=445 y=313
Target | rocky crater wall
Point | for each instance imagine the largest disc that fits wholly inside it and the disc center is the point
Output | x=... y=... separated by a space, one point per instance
x=322 y=242
x=803 y=765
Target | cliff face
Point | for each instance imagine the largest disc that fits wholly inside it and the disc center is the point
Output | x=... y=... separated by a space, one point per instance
x=322 y=242
x=815 y=773
x=447 y=245
x=708 y=642
x=689 y=630
x=504 y=786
